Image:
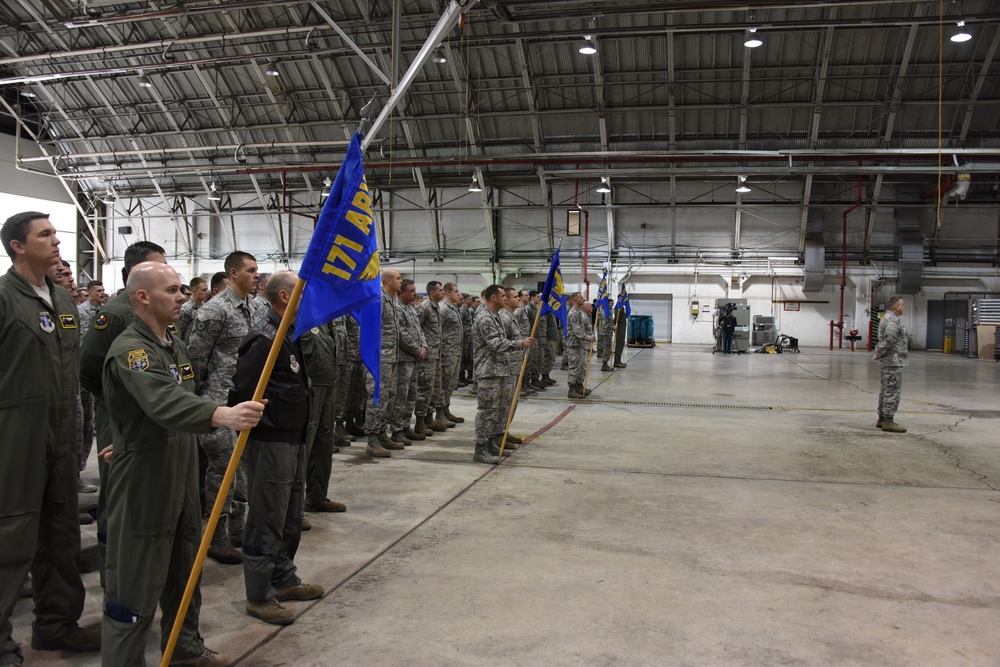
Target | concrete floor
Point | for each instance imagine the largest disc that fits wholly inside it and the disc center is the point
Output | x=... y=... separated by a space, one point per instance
x=700 y=510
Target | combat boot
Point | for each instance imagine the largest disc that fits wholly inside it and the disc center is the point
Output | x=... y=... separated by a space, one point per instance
x=879 y=421
x=475 y=389
x=208 y=658
x=619 y=364
x=375 y=448
x=483 y=455
x=342 y=433
x=493 y=448
x=422 y=428
x=605 y=367
x=511 y=438
x=889 y=426
x=585 y=392
x=549 y=381
x=76 y=640
x=441 y=417
x=271 y=612
x=399 y=437
x=573 y=392
x=352 y=427
x=221 y=550
x=412 y=435
x=457 y=420
x=434 y=424
x=388 y=443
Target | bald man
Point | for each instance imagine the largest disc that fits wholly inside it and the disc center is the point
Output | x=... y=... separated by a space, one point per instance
x=154 y=513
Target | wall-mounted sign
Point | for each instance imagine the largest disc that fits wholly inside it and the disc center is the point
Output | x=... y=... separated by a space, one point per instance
x=790 y=306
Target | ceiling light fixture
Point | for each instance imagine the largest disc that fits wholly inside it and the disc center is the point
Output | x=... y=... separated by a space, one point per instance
x=588 y=48
x=326 y=188
x=475 y=187
x=213 y=194
x=742 y=186
x=603 y=187
x=28 y=92
x=109 y=195
x=962 y=35
x=271 y=70
x=439 y=57
x=143 y=81
x=753 y=41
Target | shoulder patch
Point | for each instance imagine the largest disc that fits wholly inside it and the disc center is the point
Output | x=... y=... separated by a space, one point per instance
x=175 y=373
x=68 y=321
x=186 y=371
x=45 y=322
x=101 y=322
x=172 y=328
x=138 y=360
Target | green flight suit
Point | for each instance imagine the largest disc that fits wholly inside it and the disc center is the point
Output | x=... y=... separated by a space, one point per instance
x=154 y=514
x=320 y=350
x=106 y=326
x=39 y=513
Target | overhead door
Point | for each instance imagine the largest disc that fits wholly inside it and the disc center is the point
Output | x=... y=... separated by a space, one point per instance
x=660 y=307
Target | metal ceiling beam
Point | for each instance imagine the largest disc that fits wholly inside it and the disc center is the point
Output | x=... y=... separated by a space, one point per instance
x=819 y=87
x=531 y=96
x=984 y=71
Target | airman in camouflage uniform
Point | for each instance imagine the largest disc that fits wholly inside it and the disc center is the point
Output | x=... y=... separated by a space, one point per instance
x=451 y=349
x=199 y=296
x=605 y=332
x=577 y=344
x=412 y=350
x=377 y=416
x=468 y=315
x=552 y=332
x=339 y=329
x=213 y=345
x=891 y=354
x=429 y=381
x=492 y=349
x=352 y=395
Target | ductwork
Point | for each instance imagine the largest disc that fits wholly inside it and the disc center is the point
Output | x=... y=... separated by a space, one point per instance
x=911 y=242
x=815 y=247
x=961 y=187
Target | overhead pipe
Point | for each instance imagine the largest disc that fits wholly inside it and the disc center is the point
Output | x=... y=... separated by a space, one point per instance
x=839 y=325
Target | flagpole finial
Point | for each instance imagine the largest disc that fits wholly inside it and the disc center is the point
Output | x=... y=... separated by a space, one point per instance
x=366 y=115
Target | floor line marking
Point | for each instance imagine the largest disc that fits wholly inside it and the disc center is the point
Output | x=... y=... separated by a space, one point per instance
x=545 y=428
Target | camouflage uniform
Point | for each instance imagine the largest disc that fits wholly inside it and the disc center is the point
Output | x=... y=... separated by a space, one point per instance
x=351 y=390
x=213 y=345
x=605 y=332
x=892 y=355
x=411 y=339
x=577 y=343
x=429 y=382
x=468 y=314
x=451 y=352
x=492 y=350
x=377 y=416
x=534 y=354
x=184 y=320
x=515 y=356
x=85 y=429
x=548 y=333
x=88 y=311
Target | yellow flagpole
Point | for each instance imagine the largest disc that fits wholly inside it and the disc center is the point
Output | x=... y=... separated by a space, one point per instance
x=227 y=479
x=517 y=389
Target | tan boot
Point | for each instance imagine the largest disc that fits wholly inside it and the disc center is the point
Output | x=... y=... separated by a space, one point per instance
x=457 y=420
x=375 y=448
x=890 y=426
x=270 y=612
x=422 y=428
x=444 y=420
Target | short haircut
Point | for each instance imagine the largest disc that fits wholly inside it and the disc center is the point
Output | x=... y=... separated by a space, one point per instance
x=510 y=289
x=185 y=289
x=491 y=291
x=533 y=293
x=283 y=280
x=450 y=287
x=197 y=281
x=94 y=283
x=139 y=251
x=575 y=294
x=406 y=283
x=65 y=263
x=16 y=229
x=432 y=285
x=219 y=278
x=891 y=303
x=236 y=260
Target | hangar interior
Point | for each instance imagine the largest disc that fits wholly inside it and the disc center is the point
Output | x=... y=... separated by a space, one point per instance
x=854 y=153
x=867 y=138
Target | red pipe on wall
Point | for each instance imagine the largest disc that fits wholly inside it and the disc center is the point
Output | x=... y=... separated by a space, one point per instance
x=843 y=273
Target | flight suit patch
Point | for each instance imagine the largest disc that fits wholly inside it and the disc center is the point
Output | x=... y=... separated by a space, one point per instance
x=138 y=360
x=314 y=331
x=172 y=328
x=67 y=321
x=101 y=322
x=176 y=373
x=46 y=323
x=293 y=364
x=186 y=371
